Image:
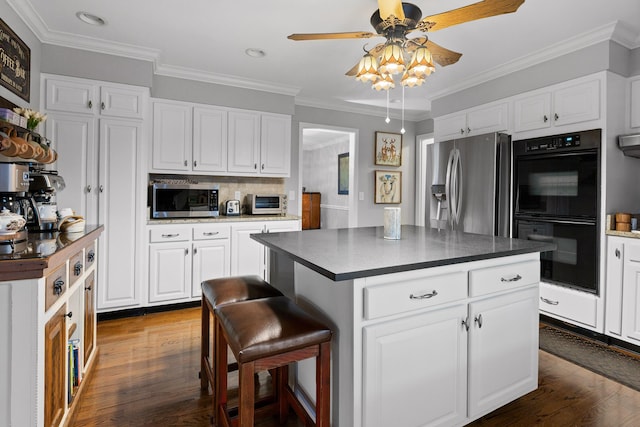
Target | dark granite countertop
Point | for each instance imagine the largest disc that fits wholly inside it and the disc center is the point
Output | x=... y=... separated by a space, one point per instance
x=350 y=253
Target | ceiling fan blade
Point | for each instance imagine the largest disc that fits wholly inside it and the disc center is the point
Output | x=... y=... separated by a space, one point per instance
x=472 y=12
x=391 y=7
x=377 y=50
x=441 y=55
x=331 y=36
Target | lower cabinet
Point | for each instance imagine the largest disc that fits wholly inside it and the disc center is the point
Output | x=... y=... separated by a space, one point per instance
x=623 y=289
x=55 y=350
x=169 y=271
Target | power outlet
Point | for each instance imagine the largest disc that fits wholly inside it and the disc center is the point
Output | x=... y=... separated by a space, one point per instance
x=237 y=195
x=361 y=196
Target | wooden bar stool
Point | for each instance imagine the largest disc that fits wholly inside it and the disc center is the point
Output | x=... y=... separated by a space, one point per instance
x=220 y=291
x=268 y=334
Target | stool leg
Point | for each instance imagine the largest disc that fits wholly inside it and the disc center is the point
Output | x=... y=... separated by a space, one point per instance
x=204 y=346
x=220 y=376
x=281 y=385
x=323 y=392
x=246 y=394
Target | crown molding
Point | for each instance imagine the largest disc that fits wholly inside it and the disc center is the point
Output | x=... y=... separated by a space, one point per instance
x=625 y=36
x=581 y=41
x=412 y=116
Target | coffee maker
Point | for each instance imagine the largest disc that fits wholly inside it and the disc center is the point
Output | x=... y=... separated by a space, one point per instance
x=14 y=186
x=42 y=189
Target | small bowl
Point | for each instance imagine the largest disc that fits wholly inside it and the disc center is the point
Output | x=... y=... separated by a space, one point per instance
x=10 y=222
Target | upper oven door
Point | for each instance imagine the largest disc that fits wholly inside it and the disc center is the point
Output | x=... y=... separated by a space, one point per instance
x=557 y=184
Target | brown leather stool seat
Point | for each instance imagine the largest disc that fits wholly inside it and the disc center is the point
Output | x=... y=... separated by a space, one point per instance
x=220 y=291
x=266 y=334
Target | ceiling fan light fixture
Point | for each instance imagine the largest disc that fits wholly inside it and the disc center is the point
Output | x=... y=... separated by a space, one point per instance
x=392 y=59
x=385 y=82
x=421 y=63
x=368 y=69
x=411 y=79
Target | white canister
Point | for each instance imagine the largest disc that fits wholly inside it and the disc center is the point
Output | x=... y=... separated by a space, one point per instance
x=392 y=223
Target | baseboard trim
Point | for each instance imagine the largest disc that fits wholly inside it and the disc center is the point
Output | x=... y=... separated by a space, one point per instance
x=142 y=311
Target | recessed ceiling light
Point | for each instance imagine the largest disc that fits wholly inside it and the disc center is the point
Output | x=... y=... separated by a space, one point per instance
x=255 y=52
x=90 y=19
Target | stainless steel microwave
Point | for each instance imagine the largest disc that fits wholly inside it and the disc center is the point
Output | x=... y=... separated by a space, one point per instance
x=267 y=204
x=184 y=200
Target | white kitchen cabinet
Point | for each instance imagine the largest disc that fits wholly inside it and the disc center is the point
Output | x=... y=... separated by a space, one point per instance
x=613 y=289
x=577 y=307
x=475 y=121
x=631 y=294
x=402 y=357
x=74 y=95
x=172 y=134
x=244 y=142
x=563 y=104
x=100 y=151
x=209 y=139
x=275 y=144
x=623 y=289
x=211 y=254
x=169 y=271
x=503 y=349
x=249 y=256
x=635 y=103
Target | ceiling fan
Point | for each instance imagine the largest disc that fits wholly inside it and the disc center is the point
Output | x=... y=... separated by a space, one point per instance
x=394 y=20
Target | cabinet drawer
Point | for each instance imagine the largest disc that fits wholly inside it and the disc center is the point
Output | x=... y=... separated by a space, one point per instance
x=503 y=277
x=55 y=285
x=90 y=255
x=573 y=305
x=210 y=232
x=169 y=234
x=413 y=294
x=76 y=267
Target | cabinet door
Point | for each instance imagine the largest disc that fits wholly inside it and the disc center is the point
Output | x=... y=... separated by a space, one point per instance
x=532 y=112
x=171 y=136
x=169 y=271
x=503 y=349
x=247 y=255
x=613 y=300
x=577 y=103
x=211 y=259
x=119 y=101
x=74 y=138
x=119 y=143
x=70 y=96
x=419 y=365
x=244 y=142
x=275 y=144
x=89 y=315
x=209 y=139
x=55 y=360
x=450 y=127
x=488 y=119
x=631 y=292
x=635 y=103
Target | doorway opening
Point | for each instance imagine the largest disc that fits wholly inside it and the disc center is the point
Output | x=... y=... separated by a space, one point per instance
x=423 y=192
x=328 y=162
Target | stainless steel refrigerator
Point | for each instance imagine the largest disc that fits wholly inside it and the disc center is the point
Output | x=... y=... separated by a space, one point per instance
x=470 y=184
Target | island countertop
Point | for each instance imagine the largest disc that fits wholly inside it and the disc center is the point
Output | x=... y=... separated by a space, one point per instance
x=351 y=253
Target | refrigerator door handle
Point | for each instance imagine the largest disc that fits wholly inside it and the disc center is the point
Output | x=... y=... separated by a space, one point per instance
x=458 y=174
x=447 y=188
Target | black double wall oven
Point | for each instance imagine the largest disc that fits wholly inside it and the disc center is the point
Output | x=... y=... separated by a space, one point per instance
x=556 y=199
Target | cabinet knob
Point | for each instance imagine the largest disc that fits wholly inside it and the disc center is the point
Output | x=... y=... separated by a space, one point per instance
x=195 y=251
x=461 y=131
x=101 y=188
x=468 y=130
x=556 y=117
x=195 y=163
x=617 y=253
x=186 y=163
x=90 y=104
x=545 y=118
x=91 y=256
x=88 y=288
x=69 y=314
x=57 y=286
x=255 y=166
x=465 y=323
x=186 y=252
x=89 y=189
x=77 y=269
x=102 y=105
x=478 y=320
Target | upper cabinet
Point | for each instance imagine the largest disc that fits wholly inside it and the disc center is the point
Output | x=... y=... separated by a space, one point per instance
x=207 y=139
x=475 y=121
x=89 y=97
x=561 y=105
x=635 y=103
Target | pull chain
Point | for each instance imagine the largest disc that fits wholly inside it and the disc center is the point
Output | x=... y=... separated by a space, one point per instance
x=402 y=130
x=387 y=120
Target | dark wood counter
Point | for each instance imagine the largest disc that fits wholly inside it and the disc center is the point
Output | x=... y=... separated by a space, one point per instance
x=43 y=252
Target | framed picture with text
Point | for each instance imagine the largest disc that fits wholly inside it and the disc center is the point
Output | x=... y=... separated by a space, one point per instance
x=388 y=150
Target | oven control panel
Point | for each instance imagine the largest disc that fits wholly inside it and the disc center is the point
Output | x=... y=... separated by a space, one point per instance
x=554 y=143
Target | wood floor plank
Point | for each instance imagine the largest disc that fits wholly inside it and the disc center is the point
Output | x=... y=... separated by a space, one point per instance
x=147 y=375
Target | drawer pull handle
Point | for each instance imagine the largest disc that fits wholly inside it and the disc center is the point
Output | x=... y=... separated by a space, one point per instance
x=548 y=301
x=511 y=279
x=478 y=320
x=57 y=286
x=77 y=269
x=91 y=256
x=424 y=296
x=465 y=323
x=168 y=236
x=210 y=233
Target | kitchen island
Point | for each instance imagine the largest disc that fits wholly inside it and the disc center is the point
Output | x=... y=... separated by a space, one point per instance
x=437 y=328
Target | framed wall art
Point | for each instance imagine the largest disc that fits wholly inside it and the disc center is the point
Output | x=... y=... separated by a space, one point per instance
x=343 y=173
x=388 y=187
x=388 y=150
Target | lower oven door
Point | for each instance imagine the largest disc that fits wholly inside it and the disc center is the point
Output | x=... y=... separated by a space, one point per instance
x=575 y=261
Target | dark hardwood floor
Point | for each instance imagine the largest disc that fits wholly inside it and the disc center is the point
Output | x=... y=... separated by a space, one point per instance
x=147 y=374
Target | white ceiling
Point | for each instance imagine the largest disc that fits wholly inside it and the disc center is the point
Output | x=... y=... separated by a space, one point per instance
x=207 y=39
